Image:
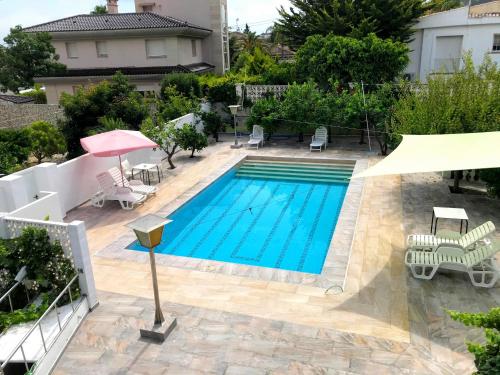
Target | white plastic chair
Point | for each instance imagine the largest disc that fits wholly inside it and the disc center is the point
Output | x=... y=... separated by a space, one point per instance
x=257 y=137
x=319 y=140
x=110 y=192
x=137 y=186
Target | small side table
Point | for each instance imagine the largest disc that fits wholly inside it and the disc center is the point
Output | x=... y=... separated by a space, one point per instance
x=145 y=169
x=449 y=213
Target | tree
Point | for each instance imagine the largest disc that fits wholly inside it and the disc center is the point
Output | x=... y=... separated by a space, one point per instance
x=330 y=59
x=46 y=140
x=434 y=6
x=165 y=134
x=100 y=9
x=487 y=355
x=298 y=107
x=25 y=56
x=83 y=110
x=254 y=62
x=213 y=124
x=386 y=18
x=465 y=102
x=190 y=139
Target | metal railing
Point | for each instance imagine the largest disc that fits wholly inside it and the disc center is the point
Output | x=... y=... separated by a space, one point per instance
x=7 y=295
x=38 y=326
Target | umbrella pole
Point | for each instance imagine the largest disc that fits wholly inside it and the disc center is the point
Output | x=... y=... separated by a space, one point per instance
x=121 y=170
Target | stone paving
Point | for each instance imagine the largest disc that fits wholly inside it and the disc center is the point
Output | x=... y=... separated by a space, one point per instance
x=384 y=322
x=214 y=342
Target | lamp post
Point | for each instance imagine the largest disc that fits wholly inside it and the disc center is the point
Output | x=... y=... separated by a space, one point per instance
x=149 y=231
x=234 y=110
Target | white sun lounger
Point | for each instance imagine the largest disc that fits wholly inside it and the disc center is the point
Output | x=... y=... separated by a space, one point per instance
x=320 y=139
x=110 y=192
x=479 y=263
x=429 y=242
x=257 y=137
x=137 y=186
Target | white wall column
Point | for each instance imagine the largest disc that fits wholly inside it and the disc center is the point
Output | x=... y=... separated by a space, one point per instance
x=14 y=192
x=81 y=258
x=46 y=177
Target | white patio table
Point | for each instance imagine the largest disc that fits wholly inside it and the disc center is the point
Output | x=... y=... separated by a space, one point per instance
x=449 y=213
x=145 y=169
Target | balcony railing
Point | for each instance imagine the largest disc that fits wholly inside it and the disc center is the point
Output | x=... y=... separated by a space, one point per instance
x=47 y=342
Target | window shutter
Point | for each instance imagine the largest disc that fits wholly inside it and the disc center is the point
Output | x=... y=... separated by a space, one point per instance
x=71 y=50
x=156 y=48
x=101 y=48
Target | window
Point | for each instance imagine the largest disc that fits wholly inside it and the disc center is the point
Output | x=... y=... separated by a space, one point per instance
x=147 y=8
x=448 y=52
x=101 y=49
x=71 y=50
x=193 y=47
x=156 y=48
x=496 y=43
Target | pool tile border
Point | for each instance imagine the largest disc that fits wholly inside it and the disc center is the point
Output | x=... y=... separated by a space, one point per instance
x=336 y=263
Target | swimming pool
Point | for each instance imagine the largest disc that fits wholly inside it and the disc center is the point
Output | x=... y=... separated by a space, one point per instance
x=262 y=213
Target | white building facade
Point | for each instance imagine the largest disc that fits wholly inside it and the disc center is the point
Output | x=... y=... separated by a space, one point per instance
x=441 y=40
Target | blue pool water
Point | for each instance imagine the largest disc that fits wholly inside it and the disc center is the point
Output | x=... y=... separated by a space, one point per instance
x=266 y=222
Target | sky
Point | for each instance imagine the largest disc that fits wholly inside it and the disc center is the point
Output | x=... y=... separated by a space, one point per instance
x=259 y=14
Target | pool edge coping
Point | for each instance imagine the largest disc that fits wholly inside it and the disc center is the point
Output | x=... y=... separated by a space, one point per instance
x=336 y=262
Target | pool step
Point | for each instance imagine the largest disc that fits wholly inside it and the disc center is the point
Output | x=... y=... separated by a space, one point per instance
x=300 y=165
x=313 y=172
x=296 y=172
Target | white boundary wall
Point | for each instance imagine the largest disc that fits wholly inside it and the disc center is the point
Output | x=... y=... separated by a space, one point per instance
x=74 y=181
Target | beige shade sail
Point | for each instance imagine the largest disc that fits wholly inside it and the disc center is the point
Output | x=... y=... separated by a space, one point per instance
x=437 y=153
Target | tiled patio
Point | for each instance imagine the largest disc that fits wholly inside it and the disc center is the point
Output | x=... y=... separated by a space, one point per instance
x=384 y=322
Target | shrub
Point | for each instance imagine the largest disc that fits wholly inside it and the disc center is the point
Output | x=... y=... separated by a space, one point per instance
x=188 y=84
x=281 y=74
x=223 y=89
x=48 y=273
x=7 y=160
x=492 y=179
x=465 y=102
x=190 y=139
x=38 y=95
x=45 y=140
x=48 y=267
x=14 y=149
x=487 y=355
x=213 y=124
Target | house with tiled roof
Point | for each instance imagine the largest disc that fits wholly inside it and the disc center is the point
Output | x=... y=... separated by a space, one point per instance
x=144 y=45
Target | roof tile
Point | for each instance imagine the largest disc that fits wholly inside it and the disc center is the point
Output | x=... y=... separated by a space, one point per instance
x=119 y=21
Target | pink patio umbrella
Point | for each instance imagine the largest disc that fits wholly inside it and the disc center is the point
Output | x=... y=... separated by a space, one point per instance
x=116 y=143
